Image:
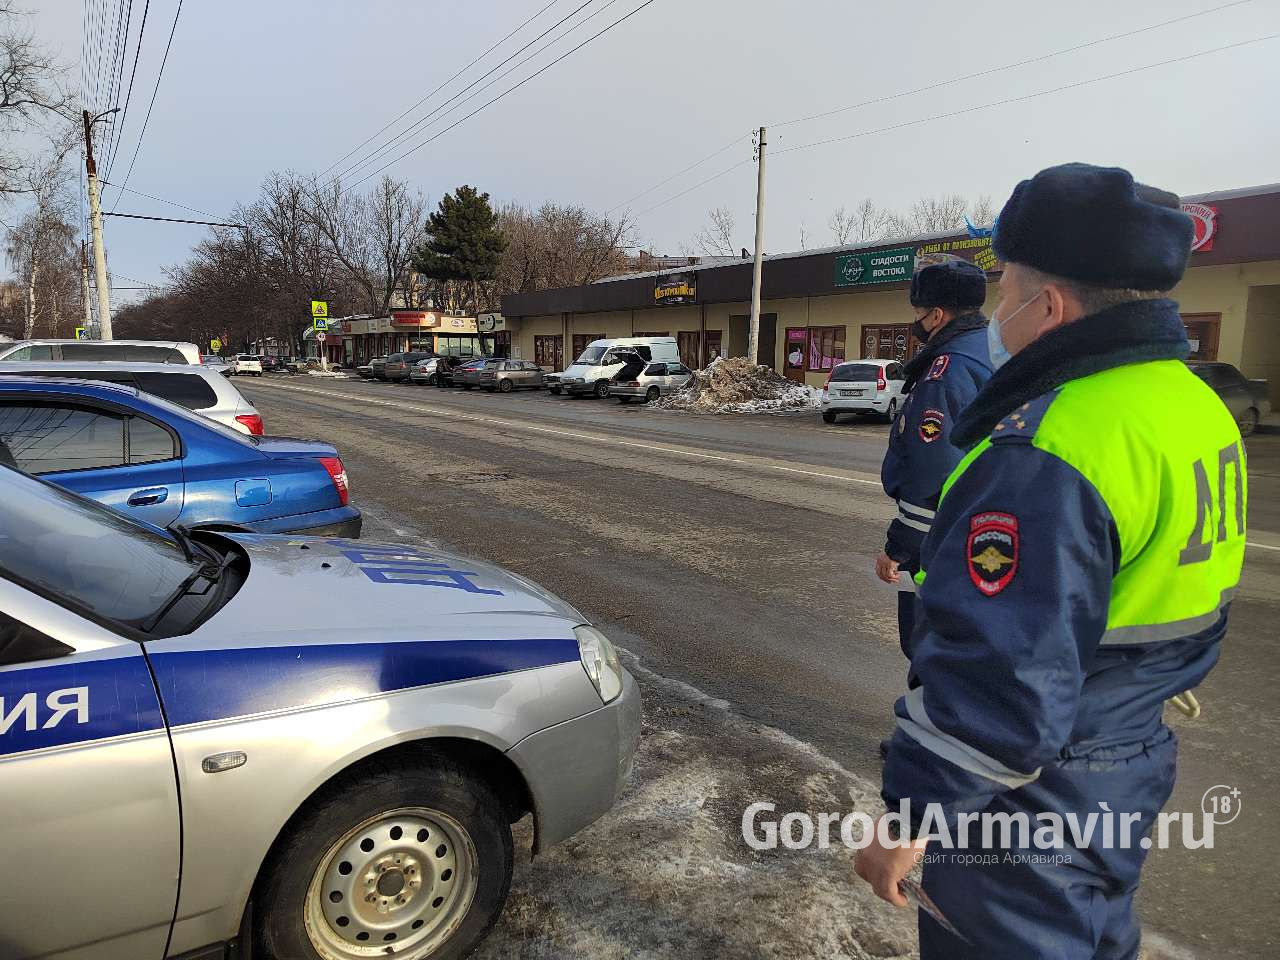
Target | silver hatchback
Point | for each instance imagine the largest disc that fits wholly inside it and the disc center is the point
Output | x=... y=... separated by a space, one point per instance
x=650 y=382
x=507 y=375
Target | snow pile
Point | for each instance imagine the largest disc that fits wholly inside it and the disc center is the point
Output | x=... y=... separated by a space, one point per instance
x=338 y=374
x=736 y=385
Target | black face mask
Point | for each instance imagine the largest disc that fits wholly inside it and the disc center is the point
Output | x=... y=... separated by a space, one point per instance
x=921 y=333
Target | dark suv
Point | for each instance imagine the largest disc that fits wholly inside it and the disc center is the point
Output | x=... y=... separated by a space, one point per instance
x=398 y=365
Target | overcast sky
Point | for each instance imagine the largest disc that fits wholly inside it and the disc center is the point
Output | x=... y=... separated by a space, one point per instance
x=266 y=85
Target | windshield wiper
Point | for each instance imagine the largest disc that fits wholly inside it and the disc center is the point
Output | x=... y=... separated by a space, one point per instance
x=190 y=546
x=211 y=571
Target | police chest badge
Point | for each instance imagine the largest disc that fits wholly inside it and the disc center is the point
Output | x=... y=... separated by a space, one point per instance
x=931 y=425
x=993 y=551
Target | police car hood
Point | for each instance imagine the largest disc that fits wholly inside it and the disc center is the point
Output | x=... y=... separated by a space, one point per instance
x=320 y=590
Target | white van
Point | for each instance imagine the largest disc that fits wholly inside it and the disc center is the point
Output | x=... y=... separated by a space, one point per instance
x=602 y=359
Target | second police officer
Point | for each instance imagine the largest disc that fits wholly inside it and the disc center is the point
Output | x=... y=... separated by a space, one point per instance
x=941 y=380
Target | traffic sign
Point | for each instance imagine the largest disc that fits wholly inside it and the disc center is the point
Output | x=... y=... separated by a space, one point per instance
x=215 y=344
x=82 y=333
x=319 y=308
x=321 y=337
x=320 y=323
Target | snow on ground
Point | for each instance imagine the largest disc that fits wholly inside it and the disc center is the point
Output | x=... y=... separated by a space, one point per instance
x=667 y=874
x=737 y=385
x=332 y=374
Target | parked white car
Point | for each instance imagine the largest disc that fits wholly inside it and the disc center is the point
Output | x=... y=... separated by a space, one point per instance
x=863 y=386
x=243 y=364
x=146 y=351
x=199 y=388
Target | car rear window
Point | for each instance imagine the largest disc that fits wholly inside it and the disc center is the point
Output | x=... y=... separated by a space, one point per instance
x=856 y=373
x=154 y=354
x=188 y=389
x=93 y=351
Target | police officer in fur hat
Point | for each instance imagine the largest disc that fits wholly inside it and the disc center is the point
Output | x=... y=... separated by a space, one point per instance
x=1078 y=573
x=941 y=380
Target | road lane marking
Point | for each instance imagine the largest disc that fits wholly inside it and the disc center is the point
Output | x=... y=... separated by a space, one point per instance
x=594 y=438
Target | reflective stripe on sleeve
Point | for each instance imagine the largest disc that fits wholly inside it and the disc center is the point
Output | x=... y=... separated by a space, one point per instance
x=923 y=730
x=922 y=512
x=913 y=524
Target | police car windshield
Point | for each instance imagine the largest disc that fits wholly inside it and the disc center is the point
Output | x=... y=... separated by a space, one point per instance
x=70 y=547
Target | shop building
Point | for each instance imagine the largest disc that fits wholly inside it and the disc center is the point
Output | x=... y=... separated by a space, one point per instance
x=360 y=339
x=820 y=307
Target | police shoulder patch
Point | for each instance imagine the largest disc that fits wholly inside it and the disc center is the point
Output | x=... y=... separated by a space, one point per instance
x=939 y=367
x=993 y=551
x=931 y=425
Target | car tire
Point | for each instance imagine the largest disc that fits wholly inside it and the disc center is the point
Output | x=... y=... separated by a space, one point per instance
x=466 y=386
x=555 y=391
x=828 y=416
x=600 y=389
x=1248 y=421
x=457 y=813
x=652 y=394
x=431 y=380
x=624 y=399
x=892 y=411
x=505 y=386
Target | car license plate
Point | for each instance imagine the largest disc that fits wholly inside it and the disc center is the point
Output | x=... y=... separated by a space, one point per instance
x=850 y=393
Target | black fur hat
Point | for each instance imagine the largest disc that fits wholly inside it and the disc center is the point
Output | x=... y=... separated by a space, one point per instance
x=956 y=284
x=1095 y=225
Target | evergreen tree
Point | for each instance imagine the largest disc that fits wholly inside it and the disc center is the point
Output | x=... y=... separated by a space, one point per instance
x=463 y=242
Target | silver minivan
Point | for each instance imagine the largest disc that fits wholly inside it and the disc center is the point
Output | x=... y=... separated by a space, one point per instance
x=199 y=388
x=81 y=351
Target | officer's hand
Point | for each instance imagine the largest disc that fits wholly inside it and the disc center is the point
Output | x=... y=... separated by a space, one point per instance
x=887 y=568
x=883 y=867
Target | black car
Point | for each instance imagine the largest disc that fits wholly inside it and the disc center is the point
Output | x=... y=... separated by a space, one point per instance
x=1248 y=400
x=449 y=367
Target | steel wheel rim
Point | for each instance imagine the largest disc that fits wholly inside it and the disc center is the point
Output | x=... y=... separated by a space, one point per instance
x=404 y=879
x=652 y=394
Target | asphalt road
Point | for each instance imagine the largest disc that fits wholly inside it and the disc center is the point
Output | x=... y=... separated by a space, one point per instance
x=734 y=554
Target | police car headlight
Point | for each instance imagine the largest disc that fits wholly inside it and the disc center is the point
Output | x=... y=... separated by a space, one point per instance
x=600 y=660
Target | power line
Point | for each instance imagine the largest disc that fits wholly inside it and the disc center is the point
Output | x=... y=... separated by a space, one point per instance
x=1008 y=66
x=504 y=93
x=139 y=216
x=680 y=173
x=117 y=79
x=416 y=125
x=156 y=89
x=137 y=50
x=419 y=103
x=174 y=203
x=1028 y=96
x=966 y=110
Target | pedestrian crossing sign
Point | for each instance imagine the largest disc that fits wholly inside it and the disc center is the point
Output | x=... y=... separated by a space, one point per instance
x=82 y=333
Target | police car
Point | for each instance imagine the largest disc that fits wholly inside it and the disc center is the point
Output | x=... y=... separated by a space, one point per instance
x=206 y=751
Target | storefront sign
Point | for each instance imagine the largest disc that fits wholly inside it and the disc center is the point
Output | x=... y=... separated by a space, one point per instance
x=490 y=322
x=879 y=266
x=1205 y=219
x=977 y=249
x=413 y=318
x=674 y=288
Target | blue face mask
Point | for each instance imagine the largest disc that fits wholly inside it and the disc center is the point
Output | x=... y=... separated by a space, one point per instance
x=1000 y=354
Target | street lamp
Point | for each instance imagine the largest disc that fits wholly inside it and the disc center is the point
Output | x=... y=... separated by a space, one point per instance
x=95 y=224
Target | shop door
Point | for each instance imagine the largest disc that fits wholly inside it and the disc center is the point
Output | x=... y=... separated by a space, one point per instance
x=766 y=348
x=793 y=362
x=1202 y=332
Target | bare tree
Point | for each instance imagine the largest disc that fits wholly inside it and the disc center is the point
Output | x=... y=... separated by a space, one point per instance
x=559 y=246
x=865 y=223
x=30 y=93
x=717 y=239
x=40 y=245
x=937 y=214
x=395 y=220
x=983 y=212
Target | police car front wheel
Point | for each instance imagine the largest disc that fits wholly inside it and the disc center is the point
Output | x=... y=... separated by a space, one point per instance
x=418 y=859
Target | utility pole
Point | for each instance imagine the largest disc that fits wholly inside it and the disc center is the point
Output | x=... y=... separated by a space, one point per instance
x=95 y=224
x=84 y=287
x=753 y=338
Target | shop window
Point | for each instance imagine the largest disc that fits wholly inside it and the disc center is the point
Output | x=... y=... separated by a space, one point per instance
x=826 y=347
x=580 y=341
x=547 y=352
x=1202 y=333
x=893 y=341
x=502 y=343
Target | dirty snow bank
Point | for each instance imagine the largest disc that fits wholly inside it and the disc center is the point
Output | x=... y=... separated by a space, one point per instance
x=332 y=374
x=737 y=385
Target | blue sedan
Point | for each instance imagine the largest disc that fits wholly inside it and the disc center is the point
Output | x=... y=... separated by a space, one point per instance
x=162 y=464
